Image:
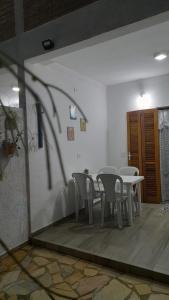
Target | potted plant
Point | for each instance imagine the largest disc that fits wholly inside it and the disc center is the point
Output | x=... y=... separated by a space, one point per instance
x=9 y=148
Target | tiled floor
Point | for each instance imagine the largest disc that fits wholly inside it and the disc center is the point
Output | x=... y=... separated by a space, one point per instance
x=71 y=278
x=144 y=245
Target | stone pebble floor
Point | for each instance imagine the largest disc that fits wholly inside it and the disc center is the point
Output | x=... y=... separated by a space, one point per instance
x=71 y=278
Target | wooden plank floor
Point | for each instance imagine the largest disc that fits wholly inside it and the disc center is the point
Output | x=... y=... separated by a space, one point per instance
x=143 y=246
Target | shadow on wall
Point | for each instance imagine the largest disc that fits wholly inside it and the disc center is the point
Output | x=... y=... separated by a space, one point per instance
x=3 y=163
x=60 y=204
x=66 y=197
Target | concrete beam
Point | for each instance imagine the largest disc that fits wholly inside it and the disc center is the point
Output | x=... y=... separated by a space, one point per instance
x=97 y=19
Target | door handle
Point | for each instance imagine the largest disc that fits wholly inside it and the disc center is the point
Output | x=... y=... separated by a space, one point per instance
x=129 y=156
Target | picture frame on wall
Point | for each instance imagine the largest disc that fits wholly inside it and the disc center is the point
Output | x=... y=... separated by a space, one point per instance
x=72 y=112
x=70 y=133
x=82 y=124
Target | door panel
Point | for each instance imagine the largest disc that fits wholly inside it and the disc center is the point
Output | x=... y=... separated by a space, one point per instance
x=150 y=155
x=143 y=149
x=134 y=141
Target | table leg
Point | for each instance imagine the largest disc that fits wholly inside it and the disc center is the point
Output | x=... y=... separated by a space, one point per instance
x=139 y=199
x=77 y=200
x=130 y=206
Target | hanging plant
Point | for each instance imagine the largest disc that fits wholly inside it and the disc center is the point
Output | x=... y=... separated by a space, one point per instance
x=11 y=121
x=13 y=134
x=9 y=148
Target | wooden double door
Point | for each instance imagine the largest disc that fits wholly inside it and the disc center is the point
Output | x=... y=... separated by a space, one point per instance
x=143 y=151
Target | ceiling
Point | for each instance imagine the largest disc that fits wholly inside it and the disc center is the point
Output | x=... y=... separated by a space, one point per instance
x=123 y=59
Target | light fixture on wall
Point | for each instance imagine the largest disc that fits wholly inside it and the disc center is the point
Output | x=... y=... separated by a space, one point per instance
x=160 y=56
x=144 y=101
x=16 y=89
x=48 y=44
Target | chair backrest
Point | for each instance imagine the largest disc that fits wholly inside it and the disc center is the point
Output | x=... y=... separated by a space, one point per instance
x=109 y=184
x=108 y=170
x=129 y=171
x=84 y=189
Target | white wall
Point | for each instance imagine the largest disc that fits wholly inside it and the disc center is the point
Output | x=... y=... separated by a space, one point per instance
x=122 y=98
x=89 y=150
x=13 y=201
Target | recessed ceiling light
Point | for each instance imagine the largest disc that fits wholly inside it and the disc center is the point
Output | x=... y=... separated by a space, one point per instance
x=16 y=89
x=160 y=56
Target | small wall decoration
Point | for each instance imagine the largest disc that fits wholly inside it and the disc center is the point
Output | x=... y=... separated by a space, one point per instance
x=72 y=112
x=70 y=134
x=82 y=124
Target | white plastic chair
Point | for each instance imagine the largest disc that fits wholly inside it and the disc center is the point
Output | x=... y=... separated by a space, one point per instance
x=110 y=196
x=108 y=170
x=86 y=192
x=129 y=171
x=132 y=171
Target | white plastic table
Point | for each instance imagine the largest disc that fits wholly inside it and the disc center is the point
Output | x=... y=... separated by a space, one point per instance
x=129 y=181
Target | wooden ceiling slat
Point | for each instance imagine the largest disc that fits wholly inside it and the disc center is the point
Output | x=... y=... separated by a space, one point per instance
x=38 y=12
